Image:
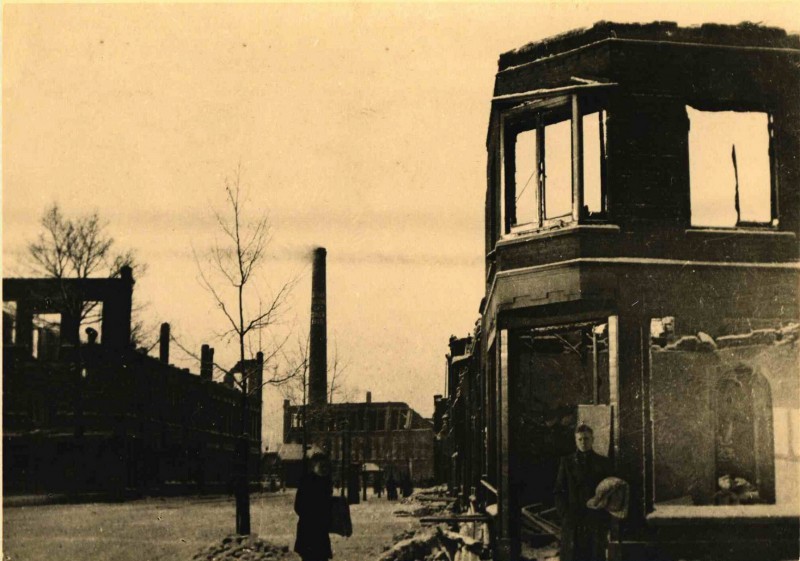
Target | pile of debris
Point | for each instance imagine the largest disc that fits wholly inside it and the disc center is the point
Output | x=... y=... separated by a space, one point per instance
x=417 y=511
x=436 y=544
x=426 y=502
x=244 y=548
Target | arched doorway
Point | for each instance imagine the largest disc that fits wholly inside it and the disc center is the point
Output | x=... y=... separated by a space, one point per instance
x=744 y=459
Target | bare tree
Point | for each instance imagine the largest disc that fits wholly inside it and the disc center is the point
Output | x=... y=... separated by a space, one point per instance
x=296 y=360
x=81 y=247
x=337 y=378
x=228 y=275
x=296 y=389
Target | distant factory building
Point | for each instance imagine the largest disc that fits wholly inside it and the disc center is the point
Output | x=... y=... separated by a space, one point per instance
x=389 y=434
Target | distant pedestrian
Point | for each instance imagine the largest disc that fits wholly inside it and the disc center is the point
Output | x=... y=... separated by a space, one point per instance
x=377 y=483
x=391 y=488
x=407 y=486
x=313 y=505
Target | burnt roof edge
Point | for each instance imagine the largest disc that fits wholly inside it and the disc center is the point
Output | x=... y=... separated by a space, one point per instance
x=745 y=34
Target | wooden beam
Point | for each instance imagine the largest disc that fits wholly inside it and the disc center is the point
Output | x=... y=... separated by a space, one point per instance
x=530 y=514
x=455 y=518
x=577 y=160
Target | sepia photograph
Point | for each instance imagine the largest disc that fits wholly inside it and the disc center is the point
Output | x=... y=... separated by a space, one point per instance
x=420 y=281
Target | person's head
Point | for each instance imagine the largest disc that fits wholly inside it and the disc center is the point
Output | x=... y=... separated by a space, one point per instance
x=319 y=464
x=91 y=335
x=584 y=438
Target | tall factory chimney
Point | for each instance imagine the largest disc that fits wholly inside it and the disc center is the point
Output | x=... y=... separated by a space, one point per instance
x=318 y=345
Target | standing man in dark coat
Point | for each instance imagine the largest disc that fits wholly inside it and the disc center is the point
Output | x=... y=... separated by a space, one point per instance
x=583 y=530
x=313 y=505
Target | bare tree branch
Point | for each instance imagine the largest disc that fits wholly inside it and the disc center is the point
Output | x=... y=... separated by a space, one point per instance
x=77 y=247
x=336 y=375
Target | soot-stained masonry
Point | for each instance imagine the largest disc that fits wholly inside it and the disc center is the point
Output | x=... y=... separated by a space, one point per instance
x=642 y=223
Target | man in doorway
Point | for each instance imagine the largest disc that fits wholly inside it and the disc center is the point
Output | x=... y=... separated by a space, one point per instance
x=583 y=530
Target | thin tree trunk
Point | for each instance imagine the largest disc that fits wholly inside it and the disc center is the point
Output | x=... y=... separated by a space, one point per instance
x=242 y=486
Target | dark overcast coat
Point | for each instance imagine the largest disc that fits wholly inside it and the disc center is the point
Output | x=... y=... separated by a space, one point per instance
x=313 y=505
x=583 y=530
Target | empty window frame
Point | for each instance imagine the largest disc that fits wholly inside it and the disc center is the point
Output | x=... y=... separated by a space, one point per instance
x=594 y=164
x=556 y=176
x=731 y=168
x=46 y=336
x=553 y=169
x=9 y=323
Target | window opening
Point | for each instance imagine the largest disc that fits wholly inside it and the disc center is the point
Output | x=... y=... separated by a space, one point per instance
x=46 y=336
x=730 y=168
x=91 y=326
x=558 y=170
x=594 y=155
x=526 y=179
x=721 y=435
x=9 y=323
x=537 y=170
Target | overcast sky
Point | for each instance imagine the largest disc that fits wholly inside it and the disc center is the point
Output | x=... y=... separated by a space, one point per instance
x=359 y=127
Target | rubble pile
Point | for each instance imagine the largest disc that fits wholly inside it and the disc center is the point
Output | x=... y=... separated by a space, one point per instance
x=244 y=548
x=404 y=535
x=418 y=512
x=438 y=493
x=426 y=502
x=435 y=544
x=415 y=547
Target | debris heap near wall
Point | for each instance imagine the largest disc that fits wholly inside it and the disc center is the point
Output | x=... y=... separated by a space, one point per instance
x=244 y=548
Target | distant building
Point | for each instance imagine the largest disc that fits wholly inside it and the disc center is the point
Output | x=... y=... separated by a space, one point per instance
x=80 y=417
x=388 y=434
x=459 y=420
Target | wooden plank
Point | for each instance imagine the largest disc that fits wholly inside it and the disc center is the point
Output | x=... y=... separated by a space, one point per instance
x=532 y=518
x=455 y=518
x=488 y=486
x=577 y=160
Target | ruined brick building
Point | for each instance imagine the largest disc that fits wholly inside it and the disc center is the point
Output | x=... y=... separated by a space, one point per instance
x=98 y=416
x=390 y=435
x=642 y=223
x=459 y=420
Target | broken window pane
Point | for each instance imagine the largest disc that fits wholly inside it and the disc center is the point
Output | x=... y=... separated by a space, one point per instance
x=729 y=168
x=525 y=180
x=732 y=396
x=593 y=154
x=558 y=169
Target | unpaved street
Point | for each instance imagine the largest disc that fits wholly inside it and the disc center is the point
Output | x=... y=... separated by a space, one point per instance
x=175 y=529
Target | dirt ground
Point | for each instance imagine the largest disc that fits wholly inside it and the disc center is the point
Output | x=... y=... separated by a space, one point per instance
x=174 y=529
